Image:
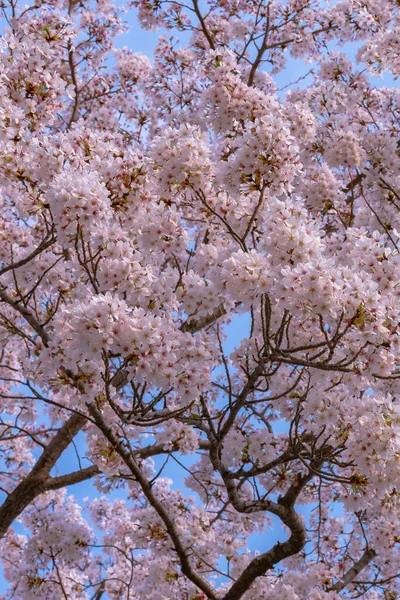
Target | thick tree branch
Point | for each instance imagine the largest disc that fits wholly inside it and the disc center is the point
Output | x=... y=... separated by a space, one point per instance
x=35 y=483
x=28 y=316
x=20 y=263
x=266 y=561
x=75 y=84
x=352 y=573
x=147 y=489
x=55 y=483
x=203 y=24
x=194 y=325
x=260 y=52
x=284 y=509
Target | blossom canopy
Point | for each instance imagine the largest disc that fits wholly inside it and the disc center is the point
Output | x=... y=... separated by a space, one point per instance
x=200 y=301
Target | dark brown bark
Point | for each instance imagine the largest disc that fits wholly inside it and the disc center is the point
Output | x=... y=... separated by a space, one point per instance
x=266 y=561
x=55 y=483
x=147 y=489
x=28 y=316
x=39 y=478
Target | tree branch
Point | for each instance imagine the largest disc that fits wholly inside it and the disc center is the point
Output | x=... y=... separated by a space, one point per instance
x=28 y=316
x=35 y=483
x=266 y=561
x=55 y=483
x=194 y=325
x=168 y=521
x=284 y=509
x=352 y=573
x=20 y=263
x=203 y=25
x=260 y=53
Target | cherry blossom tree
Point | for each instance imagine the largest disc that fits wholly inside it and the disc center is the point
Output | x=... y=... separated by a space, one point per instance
x=148 y=204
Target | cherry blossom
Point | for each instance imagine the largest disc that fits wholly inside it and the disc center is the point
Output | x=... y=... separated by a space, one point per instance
x=199 y=301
